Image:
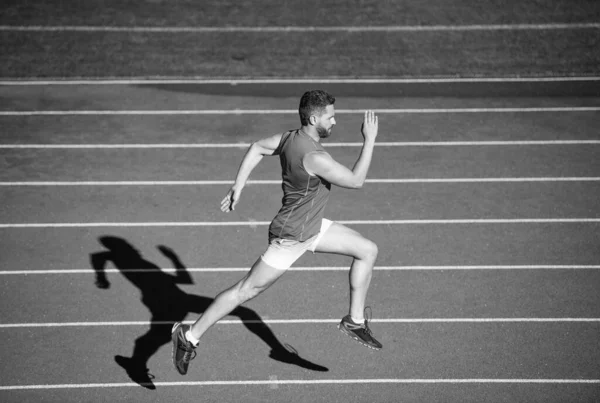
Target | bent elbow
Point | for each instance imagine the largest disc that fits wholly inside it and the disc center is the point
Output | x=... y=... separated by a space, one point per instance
x=254 y=146
x=357 y=184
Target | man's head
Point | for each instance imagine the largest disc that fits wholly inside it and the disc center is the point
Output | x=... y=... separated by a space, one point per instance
x=316 y=109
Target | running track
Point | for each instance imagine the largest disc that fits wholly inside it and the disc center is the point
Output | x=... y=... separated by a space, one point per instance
x=501 y=305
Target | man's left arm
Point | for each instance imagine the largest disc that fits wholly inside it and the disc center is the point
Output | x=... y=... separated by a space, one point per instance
x=254 y=155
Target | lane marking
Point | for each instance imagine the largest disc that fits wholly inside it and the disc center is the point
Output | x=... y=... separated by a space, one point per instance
x=260 y=223
x=309 y=269
x=306 y=321
x=273 y=381
x=278 y=182
x=331 y=80
x=337 y=144
x=284 y=29
x=294 y=111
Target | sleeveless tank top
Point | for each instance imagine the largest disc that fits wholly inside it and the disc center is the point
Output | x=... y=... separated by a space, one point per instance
x=304 y=196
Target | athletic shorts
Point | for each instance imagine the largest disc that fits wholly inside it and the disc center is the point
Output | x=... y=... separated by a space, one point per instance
x=282 y=253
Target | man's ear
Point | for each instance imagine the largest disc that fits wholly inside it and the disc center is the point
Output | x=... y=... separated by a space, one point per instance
x=312 y=120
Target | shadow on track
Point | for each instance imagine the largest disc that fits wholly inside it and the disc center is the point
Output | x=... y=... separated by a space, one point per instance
x=169 y=304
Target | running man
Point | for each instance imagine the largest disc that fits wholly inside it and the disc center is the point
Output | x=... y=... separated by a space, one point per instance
x=308 y=172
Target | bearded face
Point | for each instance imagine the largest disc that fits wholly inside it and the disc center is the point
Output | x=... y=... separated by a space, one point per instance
x=325 y=122
x=323 y=131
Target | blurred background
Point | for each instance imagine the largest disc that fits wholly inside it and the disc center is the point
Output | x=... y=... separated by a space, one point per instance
x=308 y=38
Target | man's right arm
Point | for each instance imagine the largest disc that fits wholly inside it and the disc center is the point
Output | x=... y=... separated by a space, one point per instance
x=324 y=166
x=254 y=155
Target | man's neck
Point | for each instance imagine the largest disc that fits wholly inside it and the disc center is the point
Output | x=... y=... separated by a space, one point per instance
x=311 y=132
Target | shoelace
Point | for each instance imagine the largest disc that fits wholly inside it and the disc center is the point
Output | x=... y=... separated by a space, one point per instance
x=189 y=355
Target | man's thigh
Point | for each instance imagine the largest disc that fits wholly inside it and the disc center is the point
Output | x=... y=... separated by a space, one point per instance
x=342 y=240
x=261 y=275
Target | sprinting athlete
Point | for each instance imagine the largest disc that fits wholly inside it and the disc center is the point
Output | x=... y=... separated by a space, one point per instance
x=308 y=172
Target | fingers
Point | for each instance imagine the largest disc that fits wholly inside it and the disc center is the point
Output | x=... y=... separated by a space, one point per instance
x=230 y=201
x=225 y=204
x=370 y=118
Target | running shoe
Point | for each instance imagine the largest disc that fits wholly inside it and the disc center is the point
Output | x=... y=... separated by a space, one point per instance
x=183 y=350
x=360 y=331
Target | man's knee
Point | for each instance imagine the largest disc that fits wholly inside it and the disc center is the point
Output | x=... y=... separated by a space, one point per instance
x=247 y=292
x=368 y=250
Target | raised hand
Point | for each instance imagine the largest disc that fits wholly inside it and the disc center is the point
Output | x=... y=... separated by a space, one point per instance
x=370 y=126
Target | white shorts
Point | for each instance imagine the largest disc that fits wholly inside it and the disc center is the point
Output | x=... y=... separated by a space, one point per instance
x=282 y=253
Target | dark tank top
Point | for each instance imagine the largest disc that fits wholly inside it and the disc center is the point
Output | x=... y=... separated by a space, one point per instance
x=304 y=196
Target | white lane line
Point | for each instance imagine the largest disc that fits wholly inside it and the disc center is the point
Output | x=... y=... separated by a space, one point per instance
x=283 y=29
x=310 y=269
x=305 y=382
x=278 y=182
x=305 y=321
x=274 y=381
x=261 y=223
x=261 y=81
x=294 y=111
x=337 y=144
x=137 y=183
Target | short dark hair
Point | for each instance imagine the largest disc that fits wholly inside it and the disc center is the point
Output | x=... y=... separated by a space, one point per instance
x=312 y=102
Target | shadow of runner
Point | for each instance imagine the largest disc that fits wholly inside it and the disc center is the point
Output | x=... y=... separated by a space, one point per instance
x=169 y=304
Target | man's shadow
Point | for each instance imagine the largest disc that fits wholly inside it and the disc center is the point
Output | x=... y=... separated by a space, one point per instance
x=169 y=304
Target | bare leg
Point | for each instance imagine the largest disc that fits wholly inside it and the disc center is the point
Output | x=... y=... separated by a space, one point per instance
x=342 y=240
x=258 y=279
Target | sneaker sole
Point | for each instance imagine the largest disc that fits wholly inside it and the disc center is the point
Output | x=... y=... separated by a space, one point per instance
x=354 y=337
